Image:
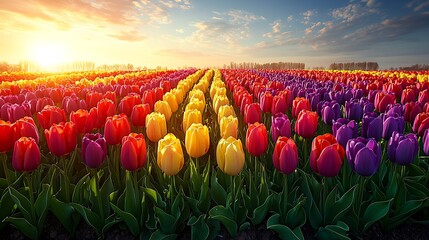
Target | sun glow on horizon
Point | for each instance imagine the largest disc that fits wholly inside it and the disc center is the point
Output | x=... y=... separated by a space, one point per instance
x=49 y=55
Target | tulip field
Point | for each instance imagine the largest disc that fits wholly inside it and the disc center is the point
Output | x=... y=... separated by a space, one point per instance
x=198 y=153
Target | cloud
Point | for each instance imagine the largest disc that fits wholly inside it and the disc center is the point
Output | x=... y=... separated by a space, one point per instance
x=349 y=13
x=180 y=30
x=363 y=38
x=370 y=3
x=307 y=15
x=314 y=26
x=225 y=29
x=276 y=37
x=131 y=36
x=119 y=19
x=180 y=53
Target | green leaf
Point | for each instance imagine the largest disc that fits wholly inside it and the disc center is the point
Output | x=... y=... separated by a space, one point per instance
x=41 y=206
x=90 y=217
x=128 y=218
x=177 y=206
x=260 y=212
x=77 y=196
x=131 y=200
x=158 y=235
x=63 y=212
x=199 y=228
x=296 y=216
x=376 y=211
x=338 y=231
x=244 y=226
x=330 y=200
x=337 y=210
x=225 y=216
x=404 y=212
x=24 y=226
x=218 y=193
x=156 y=198
x=315 y=216
x=166 y=221
x=283 y=231
x=106 y=190
x=22 y=203
x=6 y=206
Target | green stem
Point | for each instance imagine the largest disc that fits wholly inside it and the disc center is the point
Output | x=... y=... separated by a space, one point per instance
x=66 y=180
x=285 y=193
x=256 y=166
x=31 y=193
x=97 y=193
x=5 y=168
x=362 y=183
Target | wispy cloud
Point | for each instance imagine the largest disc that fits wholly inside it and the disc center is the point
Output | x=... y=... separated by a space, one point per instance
x=119 y=19
x=226 y=29
x=307 y=15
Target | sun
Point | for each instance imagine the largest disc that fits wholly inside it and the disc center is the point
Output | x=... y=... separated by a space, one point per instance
x=50 y=55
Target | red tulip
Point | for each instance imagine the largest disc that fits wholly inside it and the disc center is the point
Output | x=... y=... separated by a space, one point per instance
x=285 y=155
x=43 y=102
x=252 y=113
x=50 y=115
x=382 y=99
x=61 y=138
x=139 y=113
x=116 y=128
x=105 y=108
x=128 y=102
x=256 y=139
x=266 y=101
x=26 y=155
x=92 y=98
x=299 y=104
x=279 y=105
x=83 y=121
x=306 y=124
x=133 y=151
x=149 y=98
x=25 y=127
x=421 y=123
x=408 y=96
x=411 y=109
x=6 y=136
x=326 y=157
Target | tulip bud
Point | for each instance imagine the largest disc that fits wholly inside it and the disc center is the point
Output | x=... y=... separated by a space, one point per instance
x=26 y=155
x=230 y=156
x=94 y=149
x=326 y=155
x=256 y=139
x=170 y=155
x=116 y=128
x=156 y=126
x=306 y=124
x=285 y=155
x=229 y=127
x=191 y=116
x=363 y=155
x=133 y=151
x=402 y=149
x=197 y=140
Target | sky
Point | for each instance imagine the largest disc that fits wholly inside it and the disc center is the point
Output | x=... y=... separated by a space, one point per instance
x=203 y=33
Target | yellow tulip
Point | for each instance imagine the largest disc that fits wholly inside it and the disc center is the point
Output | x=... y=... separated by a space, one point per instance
x=156 y=126
x=197 y=94
x=230 y=156
x=197 y=140
x=170 y=155
x=164 y=108
x=171 y=99
x=191 y=116
x=196 y=104
x=179 y=95
x=225 y=111
x=229 y=127
x=220 y=101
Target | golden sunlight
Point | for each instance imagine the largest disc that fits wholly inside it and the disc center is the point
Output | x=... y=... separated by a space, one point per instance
x=50 y=55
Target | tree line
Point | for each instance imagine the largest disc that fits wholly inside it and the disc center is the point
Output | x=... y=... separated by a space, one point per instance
x=369 y=66
x=274 y=65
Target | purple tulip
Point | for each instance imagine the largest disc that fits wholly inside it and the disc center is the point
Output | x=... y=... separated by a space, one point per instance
x=392 y=124
x=363 y=155
x=280 y=126
x=367 y=105
x=94 y=149
x=402 y=149
x=354 y=110
x=372 y=126
x=393 y=109
x=344 y=129
x=425 y=141
x=357 y=93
